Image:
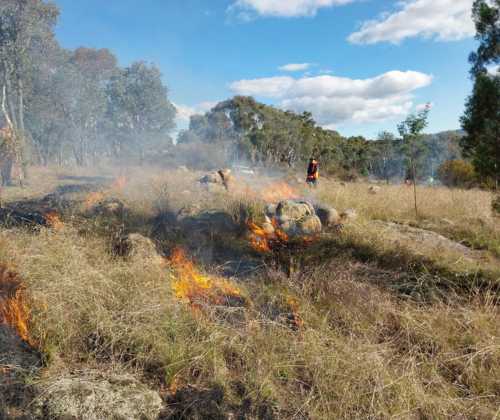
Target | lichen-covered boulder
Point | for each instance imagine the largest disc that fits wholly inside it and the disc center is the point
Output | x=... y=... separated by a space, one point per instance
x=374 y=189
x=297 y=218
x=138 y=247
x=294 y=209
x=96 y=396
x=328 y=215
x=307 y=226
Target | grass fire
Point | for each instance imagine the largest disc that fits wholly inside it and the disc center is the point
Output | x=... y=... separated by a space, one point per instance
x=14 y=311
x=199 y=289
x=312 y=247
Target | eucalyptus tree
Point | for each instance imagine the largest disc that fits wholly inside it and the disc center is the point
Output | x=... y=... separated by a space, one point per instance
x=25 y=25
x=141 y=115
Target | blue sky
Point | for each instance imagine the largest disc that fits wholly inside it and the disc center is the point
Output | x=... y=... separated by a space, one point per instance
x=366 y=63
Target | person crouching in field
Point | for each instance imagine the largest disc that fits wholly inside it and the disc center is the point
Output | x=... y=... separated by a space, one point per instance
x=312 y=173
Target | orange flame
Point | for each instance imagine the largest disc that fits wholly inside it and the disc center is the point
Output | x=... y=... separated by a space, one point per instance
x=296 y=319
x=262 y=240
x=259 y=239
x=278 y=191
x=197 y=288
x=14 y=310
x=54 y=220
x=95 y=197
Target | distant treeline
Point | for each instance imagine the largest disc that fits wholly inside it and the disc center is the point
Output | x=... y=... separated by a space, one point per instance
x=67 y=107
x=242 y=129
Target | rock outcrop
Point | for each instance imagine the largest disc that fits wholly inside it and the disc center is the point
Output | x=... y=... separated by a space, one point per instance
x=296 y=218
x=328 y=215
x=95 y=396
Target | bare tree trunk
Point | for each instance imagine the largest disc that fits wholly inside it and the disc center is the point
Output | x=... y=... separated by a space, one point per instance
x=22 y=134
x=9 y=108
x=414 y=170
x=7 y=161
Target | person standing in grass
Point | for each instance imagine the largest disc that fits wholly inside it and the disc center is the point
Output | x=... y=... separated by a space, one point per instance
x=312 y=173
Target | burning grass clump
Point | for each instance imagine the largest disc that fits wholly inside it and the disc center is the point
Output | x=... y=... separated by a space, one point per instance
x=355 y=350
x=362 y=329
x=89 y=306
x=14 y=309
x=200 y=290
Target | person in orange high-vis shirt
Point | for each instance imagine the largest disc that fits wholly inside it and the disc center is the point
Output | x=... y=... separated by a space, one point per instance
x=313 y=173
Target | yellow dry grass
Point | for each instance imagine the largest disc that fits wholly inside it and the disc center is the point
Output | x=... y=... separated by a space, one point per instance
x=463 y=215
x=365 y=350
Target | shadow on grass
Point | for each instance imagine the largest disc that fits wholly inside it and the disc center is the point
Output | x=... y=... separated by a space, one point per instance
x=89 y=179
x=212 y=403
x=415 y=276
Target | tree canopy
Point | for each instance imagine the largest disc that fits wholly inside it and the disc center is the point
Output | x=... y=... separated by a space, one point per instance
x=481 y=120
x=75 y=105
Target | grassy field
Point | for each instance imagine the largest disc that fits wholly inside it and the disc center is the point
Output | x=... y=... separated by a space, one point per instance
x=372 y=324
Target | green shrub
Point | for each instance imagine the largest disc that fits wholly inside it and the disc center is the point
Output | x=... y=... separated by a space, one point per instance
x=457 y=173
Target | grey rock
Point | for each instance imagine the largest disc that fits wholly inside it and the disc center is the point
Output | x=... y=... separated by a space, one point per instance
x=308 y=226
x=140 y=247
x=95 y=396
x=328 y=215
x=294 y=209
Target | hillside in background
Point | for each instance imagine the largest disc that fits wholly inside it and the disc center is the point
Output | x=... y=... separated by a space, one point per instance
x=242 y=129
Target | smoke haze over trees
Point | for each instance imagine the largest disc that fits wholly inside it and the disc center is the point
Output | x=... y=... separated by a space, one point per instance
x=79 y=107
x=242 y=129
x=73 y=106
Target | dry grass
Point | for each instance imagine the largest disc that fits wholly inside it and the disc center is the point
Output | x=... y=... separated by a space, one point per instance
x=463 y=215
x=365 y=349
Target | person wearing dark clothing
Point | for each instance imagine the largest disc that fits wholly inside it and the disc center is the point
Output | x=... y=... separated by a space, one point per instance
x=313 y=173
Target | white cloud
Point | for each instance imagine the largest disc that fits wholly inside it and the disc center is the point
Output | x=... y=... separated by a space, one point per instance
x=444 y=20
x=295 y=67
x=494 y=69
x=185 y=112
x=282 y=8
x=334 y=100
x=203 y=107
x=271 y=87
x=421 y=107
